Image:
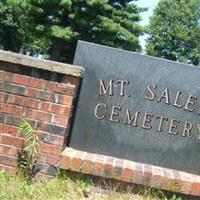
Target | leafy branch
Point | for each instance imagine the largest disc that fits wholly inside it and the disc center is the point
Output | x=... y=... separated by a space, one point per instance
x=28 y=155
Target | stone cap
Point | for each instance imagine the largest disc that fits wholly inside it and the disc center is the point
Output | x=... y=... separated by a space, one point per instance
x=28 y=61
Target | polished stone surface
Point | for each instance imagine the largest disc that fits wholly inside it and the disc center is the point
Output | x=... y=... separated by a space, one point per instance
x=174 y=143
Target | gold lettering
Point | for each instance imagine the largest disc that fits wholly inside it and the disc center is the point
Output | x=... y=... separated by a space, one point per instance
x=128 y=119
x=172 y=126
x=165 y=95
x=190 y=101
x=187 y=129
x=198 y=112
x=122 y=84
x=176 y=100
x=147 y=119
x=161 y=122
x=114 y=114
x=198 y=127
x=96 y=110
x=152 y=95
x=103 y=89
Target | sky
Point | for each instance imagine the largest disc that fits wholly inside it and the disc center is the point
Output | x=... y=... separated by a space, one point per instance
x=150 y=4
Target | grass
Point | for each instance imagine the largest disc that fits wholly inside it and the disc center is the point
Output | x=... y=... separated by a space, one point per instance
x=67 y=188
x=17 y=188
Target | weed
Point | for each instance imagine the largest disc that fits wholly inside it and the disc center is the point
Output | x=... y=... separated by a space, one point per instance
x=28 y=156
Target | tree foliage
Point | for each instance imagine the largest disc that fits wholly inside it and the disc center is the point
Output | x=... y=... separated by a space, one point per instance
x=52 y=28
x=175 y=31
x=10 y=17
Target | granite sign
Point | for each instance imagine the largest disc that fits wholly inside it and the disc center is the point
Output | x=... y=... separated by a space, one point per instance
x=138 y=107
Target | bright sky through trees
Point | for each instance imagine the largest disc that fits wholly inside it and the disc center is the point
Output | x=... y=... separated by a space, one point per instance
x=150 y=4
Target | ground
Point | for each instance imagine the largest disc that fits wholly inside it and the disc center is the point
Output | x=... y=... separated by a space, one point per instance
x=71 y=188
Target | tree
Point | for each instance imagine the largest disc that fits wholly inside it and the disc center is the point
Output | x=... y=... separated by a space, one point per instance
x=175 y=31
x=52 y=28
x=10 y=36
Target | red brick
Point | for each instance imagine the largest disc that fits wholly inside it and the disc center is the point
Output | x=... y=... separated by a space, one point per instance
x=128 y=171
x=12 y=141
x=50 y=149
x=98 y=165
x=156 y=179
x=8 y=169
x=10 y=119
x=195 y=189
x=5 y=76
x=7 y=160
x=53 y=160
x=10 y=109
x=51 y=139
x=55 y=108
x=148 y=172
x=28 y=81
x=71 y=80
x=38 y=115
x=9 y=150
x=76 y=164
x=57 y=140
x=65 y=162
x=12 y=89
x=45 y=106
x=14 y=121
x=186 y=185
x=108 y=166
x=61 y=88
x=169 y=183
x=58 y=109
x=51 y=128
x=11 y=130
x=66 y=100
x=196 y=185
x=23 y=101
x=138 y=175
x=177 y=179
x=67 y=111
x=87 y=164
x=41 y=134
x=118 y=167
x=42 y=126
x=2 y=96
x=98 y=169
x=42 y=157
x=39 y=94
x=63 y=121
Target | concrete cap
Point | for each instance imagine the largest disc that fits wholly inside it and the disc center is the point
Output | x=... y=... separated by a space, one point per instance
x=43 y=64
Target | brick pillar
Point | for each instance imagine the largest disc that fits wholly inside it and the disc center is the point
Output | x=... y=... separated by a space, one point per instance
x=47 y=104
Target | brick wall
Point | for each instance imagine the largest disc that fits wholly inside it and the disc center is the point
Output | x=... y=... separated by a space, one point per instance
x=45 y=102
